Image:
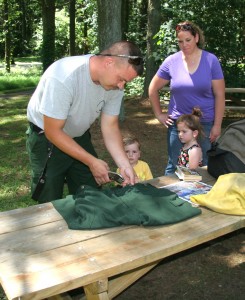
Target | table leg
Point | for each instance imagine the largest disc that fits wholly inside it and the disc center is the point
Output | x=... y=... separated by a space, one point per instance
x=97 y=290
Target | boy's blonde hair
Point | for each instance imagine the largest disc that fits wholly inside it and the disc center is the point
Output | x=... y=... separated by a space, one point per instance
x=129 y=140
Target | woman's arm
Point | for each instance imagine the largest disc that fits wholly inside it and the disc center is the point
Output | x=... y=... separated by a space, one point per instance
x=219 y=94
x=155 y=86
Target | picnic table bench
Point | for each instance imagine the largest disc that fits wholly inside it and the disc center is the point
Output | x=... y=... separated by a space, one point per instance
x=40 y=258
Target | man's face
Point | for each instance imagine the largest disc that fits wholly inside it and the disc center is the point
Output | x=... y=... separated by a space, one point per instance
x=117 y=75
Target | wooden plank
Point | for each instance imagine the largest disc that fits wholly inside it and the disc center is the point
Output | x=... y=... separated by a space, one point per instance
x=45 y=274
x=63 y=296
x=165 y=102
x=165 y=180
x=235 y=107
x=120 y=283
x=54 y=235
x=97 y=290
x=162 y=180
x=235 y=90
x=227 y=90
x=18 y=219
x=49 y=259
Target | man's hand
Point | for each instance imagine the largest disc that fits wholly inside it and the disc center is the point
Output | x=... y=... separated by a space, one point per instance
x=129 y=176
x=99 y=169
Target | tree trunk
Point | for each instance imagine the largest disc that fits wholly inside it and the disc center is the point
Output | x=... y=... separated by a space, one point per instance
x=72 y=10
x=142 y=21
x=110 y=28
x=109 y=22
x=22 y=5
x=48 y=49
x=7 y=36
x=125 y=16
x=153 y=26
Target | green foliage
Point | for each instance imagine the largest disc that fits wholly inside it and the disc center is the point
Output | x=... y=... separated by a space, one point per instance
x=86 y=27
x=166 y=42
x=221 y=20
x=61 y=34
x=234 y=75
x=22 y=23
x=137 y=25
x=223 y=24
x=86 y=30
x=135 y=87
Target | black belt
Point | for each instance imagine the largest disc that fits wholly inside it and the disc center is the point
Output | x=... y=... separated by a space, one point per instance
x=35 y=128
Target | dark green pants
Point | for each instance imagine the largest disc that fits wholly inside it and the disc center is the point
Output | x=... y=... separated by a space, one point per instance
x=61 y=168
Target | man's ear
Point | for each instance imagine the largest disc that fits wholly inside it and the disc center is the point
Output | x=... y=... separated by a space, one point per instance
x=109 y=61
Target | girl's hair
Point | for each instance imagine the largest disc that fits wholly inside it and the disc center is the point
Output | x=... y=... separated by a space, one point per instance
x=129 y=140
x=194 y=30
x=192 y=121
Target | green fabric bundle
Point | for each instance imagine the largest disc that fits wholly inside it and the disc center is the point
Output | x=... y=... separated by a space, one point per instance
x=141 y=204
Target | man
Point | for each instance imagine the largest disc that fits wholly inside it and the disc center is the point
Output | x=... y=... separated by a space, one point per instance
x=71 y=94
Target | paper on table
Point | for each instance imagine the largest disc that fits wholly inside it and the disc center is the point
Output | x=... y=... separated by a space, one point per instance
x=185 y=189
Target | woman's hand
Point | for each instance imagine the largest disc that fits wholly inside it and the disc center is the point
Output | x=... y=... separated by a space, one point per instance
x=214 y=133
x=165 y=119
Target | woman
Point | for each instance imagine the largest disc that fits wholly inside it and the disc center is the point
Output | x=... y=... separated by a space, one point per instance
x=196 y=79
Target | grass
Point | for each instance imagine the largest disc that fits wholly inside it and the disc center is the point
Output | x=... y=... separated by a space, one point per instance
x=14 y=168
x=23 y=75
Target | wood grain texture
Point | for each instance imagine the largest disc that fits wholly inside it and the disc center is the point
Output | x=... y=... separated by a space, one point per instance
x=40 y=257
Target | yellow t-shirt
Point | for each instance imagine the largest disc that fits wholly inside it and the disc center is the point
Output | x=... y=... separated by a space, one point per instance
x=142 y=170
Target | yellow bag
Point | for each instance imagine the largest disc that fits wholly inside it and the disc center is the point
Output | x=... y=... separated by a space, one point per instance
x=227 y=196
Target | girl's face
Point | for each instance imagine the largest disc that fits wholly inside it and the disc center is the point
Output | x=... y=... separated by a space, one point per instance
x=185 y=134
x=133 y=153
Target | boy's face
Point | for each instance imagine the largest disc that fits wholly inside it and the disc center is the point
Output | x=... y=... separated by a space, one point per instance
x=133 y=153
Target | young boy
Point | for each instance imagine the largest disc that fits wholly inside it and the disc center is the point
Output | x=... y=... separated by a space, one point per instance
x=132 y=149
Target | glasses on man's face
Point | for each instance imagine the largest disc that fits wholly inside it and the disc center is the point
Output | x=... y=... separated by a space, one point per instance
x=185 y=27
x=132 y=60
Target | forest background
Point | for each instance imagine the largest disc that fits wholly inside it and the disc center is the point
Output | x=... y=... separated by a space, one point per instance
x=54 y=29
x=43 y=31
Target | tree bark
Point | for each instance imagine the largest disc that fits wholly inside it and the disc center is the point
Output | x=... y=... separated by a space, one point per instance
x=153 y=26
x=72 y=10
x=7 y=36
x=125 y=16
x=109 y=22
x=48 y=49
x=110 y=28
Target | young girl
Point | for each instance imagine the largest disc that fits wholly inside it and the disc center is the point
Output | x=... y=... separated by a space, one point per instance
x=132 y=149
x=189 y=129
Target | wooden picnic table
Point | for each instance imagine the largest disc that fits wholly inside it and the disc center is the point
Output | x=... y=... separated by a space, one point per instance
x=40 y=257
